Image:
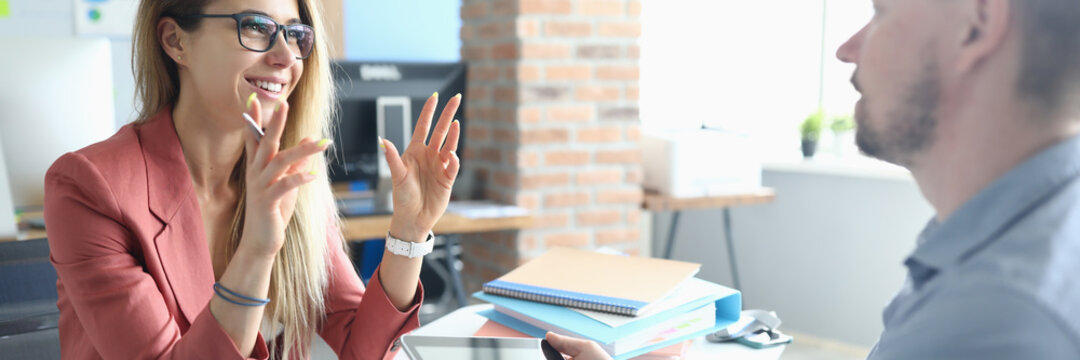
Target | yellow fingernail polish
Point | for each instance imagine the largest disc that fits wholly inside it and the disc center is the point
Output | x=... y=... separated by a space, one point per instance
x=435 y=95
x=458 y=95
x=324 y=142
x=382 y=144
x=456 y=121
x=250 y=100
x=313 y=173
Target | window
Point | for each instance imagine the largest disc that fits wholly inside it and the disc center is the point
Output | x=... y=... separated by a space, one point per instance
x=757 y=67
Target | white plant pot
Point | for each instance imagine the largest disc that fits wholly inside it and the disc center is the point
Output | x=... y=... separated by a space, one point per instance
x=844 y=144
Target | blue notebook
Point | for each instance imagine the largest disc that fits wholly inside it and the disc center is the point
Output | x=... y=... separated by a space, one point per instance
x=727 y=304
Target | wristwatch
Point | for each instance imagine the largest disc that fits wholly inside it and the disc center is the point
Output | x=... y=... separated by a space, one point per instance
x=408 y=248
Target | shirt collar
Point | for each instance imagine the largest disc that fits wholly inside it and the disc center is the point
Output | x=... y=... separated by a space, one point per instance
x=995 y=208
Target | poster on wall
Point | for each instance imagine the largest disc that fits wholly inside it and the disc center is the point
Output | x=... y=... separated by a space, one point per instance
x=110 y=18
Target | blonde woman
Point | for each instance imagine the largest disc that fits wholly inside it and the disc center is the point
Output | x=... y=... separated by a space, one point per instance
x=188 y=236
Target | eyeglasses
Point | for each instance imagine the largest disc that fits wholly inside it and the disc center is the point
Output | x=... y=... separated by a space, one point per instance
x=259 y=33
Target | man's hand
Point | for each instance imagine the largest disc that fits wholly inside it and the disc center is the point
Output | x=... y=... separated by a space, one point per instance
x=578 y=349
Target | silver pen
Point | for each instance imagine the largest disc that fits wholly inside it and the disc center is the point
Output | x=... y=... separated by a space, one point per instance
x=254 y=127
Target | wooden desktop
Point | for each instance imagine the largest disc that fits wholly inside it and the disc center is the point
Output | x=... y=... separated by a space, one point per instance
x=359 y=227
x=366 y=227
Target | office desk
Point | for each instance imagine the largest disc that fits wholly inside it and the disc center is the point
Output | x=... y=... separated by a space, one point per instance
x=376 y=226
x=368 y=226
x=357 y=228
x=26 y=233
x=654 y=201
x=465 y=322
x=450 y=227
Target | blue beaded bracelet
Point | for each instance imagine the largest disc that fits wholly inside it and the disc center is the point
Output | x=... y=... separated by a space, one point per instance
x=253 y=301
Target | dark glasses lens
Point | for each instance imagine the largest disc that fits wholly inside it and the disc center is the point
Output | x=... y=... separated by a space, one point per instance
x=257 y=32
x=301 y=39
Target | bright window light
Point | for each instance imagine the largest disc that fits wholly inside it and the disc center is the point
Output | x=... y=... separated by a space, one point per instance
x=748 y=66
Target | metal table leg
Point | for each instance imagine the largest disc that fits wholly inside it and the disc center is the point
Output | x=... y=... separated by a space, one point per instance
x=727 y=235
x=671 y=234
x=451 y=266
x=731 y=249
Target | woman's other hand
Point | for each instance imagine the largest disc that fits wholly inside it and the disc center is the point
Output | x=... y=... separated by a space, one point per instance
x=424 y=175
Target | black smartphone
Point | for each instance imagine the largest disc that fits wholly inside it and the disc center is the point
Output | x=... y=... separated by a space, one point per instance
x=549 y=351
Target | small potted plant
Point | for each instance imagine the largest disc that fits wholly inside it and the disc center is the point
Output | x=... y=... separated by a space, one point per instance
x=811 y=133
x=842 y=127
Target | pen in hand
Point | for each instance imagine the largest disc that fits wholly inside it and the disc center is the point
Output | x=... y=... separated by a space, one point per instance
x=254 y=127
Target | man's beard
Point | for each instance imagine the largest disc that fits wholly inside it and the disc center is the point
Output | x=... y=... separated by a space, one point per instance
x=909 y=128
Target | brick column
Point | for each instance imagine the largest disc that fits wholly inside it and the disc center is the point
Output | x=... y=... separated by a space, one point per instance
x=553 y=125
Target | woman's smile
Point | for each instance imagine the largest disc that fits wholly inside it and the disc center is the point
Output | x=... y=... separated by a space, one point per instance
x=268 y=87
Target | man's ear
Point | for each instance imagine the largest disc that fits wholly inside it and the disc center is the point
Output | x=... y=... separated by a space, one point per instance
x=171 y=38
x=986 y=26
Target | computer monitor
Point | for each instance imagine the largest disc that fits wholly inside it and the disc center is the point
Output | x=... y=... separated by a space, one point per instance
x=57 y=97
x=390 y=92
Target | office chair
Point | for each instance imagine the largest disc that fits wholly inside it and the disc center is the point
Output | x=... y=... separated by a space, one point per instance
x=28 y=313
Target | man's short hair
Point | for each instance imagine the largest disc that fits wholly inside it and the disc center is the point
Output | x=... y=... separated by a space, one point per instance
x=1050 y=65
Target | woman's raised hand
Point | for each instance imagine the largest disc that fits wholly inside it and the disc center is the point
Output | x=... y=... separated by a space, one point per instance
x=424 y=175
x=272 y=178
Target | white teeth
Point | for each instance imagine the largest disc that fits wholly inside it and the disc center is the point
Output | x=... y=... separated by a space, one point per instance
x=268 y=86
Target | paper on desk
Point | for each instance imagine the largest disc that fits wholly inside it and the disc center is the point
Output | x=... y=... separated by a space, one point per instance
x=483 y=209
x=494 y=329
x=690 y=290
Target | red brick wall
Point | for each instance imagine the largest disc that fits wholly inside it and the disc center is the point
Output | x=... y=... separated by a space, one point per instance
x=553 y=125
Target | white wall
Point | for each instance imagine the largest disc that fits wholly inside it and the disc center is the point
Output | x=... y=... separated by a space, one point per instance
x=826 y=255
x=57 y=18
x=380 y=30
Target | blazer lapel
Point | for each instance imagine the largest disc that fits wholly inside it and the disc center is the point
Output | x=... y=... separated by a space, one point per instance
x=181 y=245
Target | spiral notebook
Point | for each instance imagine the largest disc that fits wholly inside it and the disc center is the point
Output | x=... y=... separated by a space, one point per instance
x=594 y=281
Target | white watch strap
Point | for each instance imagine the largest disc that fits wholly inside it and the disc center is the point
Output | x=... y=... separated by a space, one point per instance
x=408 y=248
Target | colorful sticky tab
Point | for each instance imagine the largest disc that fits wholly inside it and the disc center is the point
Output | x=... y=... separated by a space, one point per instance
x=5 y=9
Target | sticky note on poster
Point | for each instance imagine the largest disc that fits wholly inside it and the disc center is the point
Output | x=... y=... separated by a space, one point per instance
x=5 y=9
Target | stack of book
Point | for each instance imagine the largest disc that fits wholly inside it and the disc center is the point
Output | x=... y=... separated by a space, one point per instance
x=630 y=306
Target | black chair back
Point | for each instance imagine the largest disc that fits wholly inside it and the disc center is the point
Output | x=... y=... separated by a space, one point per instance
x=28 y=313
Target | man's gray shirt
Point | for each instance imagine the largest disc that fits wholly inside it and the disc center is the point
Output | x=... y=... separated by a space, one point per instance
x=1000 y=278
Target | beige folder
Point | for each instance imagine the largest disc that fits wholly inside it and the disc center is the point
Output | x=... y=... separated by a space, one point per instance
x=638 y=279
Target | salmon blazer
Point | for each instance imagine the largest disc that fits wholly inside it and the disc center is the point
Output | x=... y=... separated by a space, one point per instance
x=134 y=272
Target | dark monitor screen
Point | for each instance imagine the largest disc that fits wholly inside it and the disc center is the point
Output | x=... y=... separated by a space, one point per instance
x=360 y=84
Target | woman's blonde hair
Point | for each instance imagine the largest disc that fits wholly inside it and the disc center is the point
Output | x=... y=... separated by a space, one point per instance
x=300 y=273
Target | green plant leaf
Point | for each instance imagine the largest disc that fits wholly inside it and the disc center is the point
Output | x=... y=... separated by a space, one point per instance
x=811 y=127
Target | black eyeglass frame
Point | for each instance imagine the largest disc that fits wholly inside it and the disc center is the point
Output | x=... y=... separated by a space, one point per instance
x=273 y=38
